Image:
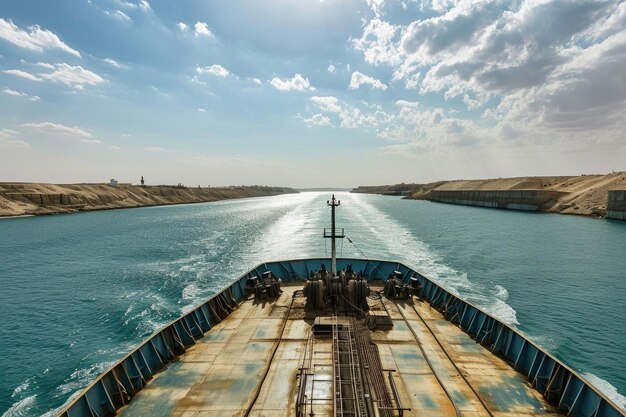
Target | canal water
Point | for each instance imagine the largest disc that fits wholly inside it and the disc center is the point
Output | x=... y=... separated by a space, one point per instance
x=79 y=291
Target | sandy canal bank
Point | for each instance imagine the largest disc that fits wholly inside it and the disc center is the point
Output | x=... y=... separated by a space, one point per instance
x=583 y=195
x=19 y=199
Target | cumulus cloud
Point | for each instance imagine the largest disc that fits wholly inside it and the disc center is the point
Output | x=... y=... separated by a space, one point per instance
x=327 y=103
x=202 y=29
x=35 y=38
x=377 y=43
x=19 y=94
x=542 y=71
x=358 y=79
x=59 y=129
x=350 y=116
x=182 y=26
x=215 y=69
x=297 y=83
x=318 y=120
x=376 y=6
x=331 y=68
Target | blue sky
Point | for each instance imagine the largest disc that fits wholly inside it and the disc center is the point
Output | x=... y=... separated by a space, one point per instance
x=310 y=92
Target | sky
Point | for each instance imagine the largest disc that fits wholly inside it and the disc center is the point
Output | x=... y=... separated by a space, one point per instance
x=310 y=93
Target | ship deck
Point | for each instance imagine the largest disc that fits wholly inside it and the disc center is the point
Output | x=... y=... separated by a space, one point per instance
x=250 y=364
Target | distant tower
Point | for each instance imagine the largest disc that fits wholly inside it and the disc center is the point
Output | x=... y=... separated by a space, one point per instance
x=142 y=182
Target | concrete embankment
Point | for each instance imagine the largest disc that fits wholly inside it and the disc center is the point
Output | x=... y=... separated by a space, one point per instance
x=18 y=199
x=585 y=195
x=528 y=200
x=616 y=208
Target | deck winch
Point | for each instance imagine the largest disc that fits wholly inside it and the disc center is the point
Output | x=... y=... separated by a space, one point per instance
x=395 y=288
x=347 y=290
x=265 y=287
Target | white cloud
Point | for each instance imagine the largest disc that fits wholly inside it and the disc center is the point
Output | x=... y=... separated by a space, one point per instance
x=144 y=5
x=442 y=5
x=119 y=15
x=214 y=69
x=36 y=39
x=91 y=141
x=182 y=26
x=202 y=110
x=318 y=120
x=297 y=83
x=115 y=148
x=327 y=103
x=358 y=79
x=256 y=80
x=45 y=65
x=18 y=94
x=376 y=6
x=111 y=62
x=196 y=80
x=22 y=74
x=472 y=103
x=75 y=76
x=155 y=149
x=352 y=117
x=412 y=81
x=126 y=4
x=377 y=43
x=14 y=93
x=56 y=128
x=202 y=29
x=331 y=68
x=551 y=79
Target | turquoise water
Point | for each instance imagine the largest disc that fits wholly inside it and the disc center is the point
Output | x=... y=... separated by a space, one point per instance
x=78 y=291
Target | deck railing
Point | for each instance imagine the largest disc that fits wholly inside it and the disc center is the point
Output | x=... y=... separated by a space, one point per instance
x=559 y=384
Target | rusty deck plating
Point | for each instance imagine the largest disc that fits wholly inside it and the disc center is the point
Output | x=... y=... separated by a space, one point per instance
x=249 y=364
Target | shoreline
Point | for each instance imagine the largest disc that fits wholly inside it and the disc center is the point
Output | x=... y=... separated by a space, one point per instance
x=37 y=199
x=584 y=195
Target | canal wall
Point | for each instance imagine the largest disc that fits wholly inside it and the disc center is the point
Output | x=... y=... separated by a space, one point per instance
x=616 y=205
x=582 y=195
x=527 y=200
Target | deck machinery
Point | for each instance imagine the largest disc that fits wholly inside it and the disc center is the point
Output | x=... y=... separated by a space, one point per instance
x=365 y=338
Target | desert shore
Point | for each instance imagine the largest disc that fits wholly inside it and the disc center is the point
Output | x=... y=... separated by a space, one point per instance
x=20 y=199
x=582 y=195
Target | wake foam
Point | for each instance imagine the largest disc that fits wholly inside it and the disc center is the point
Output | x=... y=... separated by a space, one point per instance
x=21 y=408
x=400 y=243
x=607 y=389
x=80 y=378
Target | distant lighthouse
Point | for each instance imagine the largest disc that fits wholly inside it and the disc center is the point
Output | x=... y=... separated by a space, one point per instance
x=142 y=181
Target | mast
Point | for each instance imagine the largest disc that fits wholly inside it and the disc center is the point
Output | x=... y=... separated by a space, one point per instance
x=333 y=234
